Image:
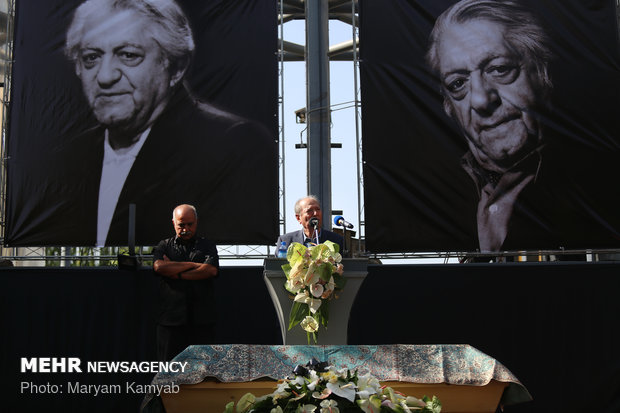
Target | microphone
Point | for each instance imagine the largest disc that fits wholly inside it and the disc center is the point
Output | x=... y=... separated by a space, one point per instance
x=314 y=222
x=339 y=220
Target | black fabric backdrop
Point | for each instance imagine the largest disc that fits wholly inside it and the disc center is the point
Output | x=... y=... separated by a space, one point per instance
x=235 y=68
x=416 y=195
x=554 y=325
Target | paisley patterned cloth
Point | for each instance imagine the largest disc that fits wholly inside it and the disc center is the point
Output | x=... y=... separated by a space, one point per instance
x=451 y=364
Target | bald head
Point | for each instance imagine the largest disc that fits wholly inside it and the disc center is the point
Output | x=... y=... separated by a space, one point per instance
x=185 y=221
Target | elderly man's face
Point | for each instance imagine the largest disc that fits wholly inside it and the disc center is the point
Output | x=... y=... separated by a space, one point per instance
x=185 y=222
x=124 y=74
x=489 y=92
x=310 y=208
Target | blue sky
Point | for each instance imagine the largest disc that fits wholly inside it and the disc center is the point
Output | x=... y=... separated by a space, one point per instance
x=342 y=94
x=344 y=160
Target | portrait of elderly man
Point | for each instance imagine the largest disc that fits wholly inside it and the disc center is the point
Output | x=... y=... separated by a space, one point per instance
x=491 y=58
x=477 y=138
x=155 y=145
x=155 y=103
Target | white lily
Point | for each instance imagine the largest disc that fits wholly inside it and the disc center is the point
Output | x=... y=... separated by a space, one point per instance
x=346 y=391
x=367 y=385
x=308 y=408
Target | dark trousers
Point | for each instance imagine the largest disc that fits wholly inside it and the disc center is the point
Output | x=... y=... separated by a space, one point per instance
x=171 y=340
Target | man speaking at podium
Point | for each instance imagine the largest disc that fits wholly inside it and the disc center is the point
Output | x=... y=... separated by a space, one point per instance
x=308 y=213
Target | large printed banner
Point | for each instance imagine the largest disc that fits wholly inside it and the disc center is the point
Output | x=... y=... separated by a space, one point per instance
x=145 y=102
x=490 y=125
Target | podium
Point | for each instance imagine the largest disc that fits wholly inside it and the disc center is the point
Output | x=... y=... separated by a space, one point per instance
x=465 y=379
x=355 y=271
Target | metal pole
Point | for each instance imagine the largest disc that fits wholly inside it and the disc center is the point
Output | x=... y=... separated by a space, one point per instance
x=131 y=231
x=318 y=112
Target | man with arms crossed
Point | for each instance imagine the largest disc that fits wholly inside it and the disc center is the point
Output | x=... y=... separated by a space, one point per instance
x=186 y=263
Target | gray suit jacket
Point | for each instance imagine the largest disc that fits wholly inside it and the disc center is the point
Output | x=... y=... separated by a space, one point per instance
x=299 y=236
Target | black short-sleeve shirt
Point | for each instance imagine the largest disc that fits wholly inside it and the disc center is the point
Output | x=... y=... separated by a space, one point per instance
x=186 y=301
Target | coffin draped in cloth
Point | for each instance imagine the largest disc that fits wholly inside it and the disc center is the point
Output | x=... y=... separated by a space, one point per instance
x=423 y=364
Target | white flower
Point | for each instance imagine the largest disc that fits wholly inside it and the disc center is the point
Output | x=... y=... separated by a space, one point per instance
x=313 y=303
x=308 y=408
x=329 y=406
x=328 y=288
x=277 y=409
x=309 y=324
x=367 y=385
x=317 y=290
x=372 y=405
x=330 y=375
x=297 y=271
x=311 y=276
x=346 y=391
x=296 y=277
x=298 y=380
x=323 y=395
x=414 y=402
x=313 y=380
x=294 y=285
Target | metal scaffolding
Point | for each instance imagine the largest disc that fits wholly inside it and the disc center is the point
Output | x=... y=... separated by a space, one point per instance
x=317 y=53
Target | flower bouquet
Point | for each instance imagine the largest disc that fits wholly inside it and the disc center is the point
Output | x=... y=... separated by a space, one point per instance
x=313 y=274
x=318 y=388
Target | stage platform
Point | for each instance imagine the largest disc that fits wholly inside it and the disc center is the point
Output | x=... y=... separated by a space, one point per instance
x=553 y=325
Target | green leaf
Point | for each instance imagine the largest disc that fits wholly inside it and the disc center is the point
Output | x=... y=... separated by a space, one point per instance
x=339 y=281
x=295 y=252
x=315 y=252
x=325 y=271
x=432 y=405
x=322 y=315
x=298 y=312
x=230 y=407
x=333 y=247
x=287 y=269
x=245 y=402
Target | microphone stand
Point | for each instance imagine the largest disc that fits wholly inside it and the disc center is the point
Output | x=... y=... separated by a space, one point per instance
x=345 y=253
